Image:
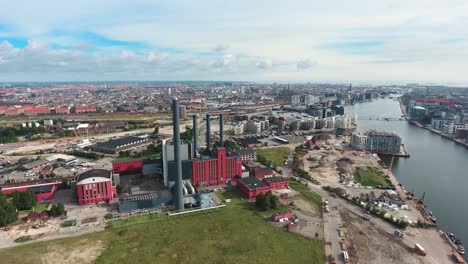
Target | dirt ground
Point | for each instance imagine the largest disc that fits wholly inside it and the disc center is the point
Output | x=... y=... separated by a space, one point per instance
x=368 y=244
x=326 y=165
x=85 y=253
x=310 y=220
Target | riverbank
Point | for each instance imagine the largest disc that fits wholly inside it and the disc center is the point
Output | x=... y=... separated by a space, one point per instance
x=412 y=122
x=437 y=132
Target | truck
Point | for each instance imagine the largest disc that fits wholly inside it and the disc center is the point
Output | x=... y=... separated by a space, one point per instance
x=420 y=249
x=346 y=257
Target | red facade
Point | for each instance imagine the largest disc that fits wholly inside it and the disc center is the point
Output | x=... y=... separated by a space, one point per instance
x=95 y=192
x=252 y=193
x=134 y=166
x=40 y=196
x=216 y=171
x=277 y=217
x=276 y=184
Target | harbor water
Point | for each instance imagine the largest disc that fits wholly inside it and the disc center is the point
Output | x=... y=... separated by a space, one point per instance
x=437 y=166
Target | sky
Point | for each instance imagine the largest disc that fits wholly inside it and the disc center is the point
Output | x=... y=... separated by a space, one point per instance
x=384 y=41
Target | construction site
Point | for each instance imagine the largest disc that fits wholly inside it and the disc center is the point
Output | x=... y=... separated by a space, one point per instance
x=366 y=206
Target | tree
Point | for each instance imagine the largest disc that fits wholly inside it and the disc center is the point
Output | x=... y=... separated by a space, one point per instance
x=65 y=184
x=16 y=199
x=156 y=130
x=8 y=212
x=119 y=189
x=24 y=200
x=53 y=211
x=260 y=201
x=266 y=205
x=274 y=202
x=60 y=209
x=187 y=135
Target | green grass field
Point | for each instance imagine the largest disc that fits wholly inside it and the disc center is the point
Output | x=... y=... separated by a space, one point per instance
x=369 y=177
x=277 y=155
x=313 y=197
x=234 y=234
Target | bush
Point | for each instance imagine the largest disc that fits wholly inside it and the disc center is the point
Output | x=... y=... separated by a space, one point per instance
x=57 y=210
x=109 y=216
x=23 y=239
x=123 y=232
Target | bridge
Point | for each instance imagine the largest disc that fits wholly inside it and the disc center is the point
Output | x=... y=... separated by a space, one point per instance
x=385 y=118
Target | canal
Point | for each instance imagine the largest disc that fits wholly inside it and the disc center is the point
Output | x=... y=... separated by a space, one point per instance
x=437 y=166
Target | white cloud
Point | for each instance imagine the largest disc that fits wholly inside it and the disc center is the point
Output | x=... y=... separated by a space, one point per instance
x=243 y=43
x=304 y=64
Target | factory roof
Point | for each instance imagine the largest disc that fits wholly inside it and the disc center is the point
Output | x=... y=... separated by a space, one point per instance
x=36 y=163
x=249 y=140
x=94 y=173
x=251 y=163
x=246 y=151
x=116 y=143
x=380 y=133
x=138 y=197
x=274 y=179
x=42 y=189
x=251 y=183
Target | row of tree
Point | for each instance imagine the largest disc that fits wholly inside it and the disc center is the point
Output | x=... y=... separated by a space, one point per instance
x=11 y=134
x=267 y=201
x=264 y=161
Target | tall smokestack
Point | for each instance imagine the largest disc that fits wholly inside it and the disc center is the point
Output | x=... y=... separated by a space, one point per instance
x=221 y=130
x=195 y=136
x=208 y=134
x=179 y=200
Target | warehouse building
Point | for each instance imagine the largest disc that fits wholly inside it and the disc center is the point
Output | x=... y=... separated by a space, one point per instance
x=94 y=186
x=120 y=144
x=250 y=187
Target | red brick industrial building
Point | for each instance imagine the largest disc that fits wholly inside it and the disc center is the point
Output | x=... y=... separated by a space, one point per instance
x=94 y=186
x=219 y=169
x=43 y=190
x=251 y=186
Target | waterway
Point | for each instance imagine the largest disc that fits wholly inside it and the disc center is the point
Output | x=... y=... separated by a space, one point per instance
x=437 y=166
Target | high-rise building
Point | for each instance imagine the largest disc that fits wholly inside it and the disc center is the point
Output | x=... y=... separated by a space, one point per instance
x=383 y=142
x=242 y=89
x=296 y=99
x=169 y=91
x=310 y=99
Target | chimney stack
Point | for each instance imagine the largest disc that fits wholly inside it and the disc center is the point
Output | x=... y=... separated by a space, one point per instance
x=195 y=136
x=221 y=130
x=208 y=134
x=179 y=199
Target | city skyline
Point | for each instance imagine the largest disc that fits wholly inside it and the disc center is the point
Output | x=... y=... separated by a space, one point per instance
x=362 y=41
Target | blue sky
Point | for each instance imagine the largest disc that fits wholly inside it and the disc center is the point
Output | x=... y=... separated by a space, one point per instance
x=308 y=40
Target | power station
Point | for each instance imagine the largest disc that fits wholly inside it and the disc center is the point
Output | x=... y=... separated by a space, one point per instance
x=186 y=171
